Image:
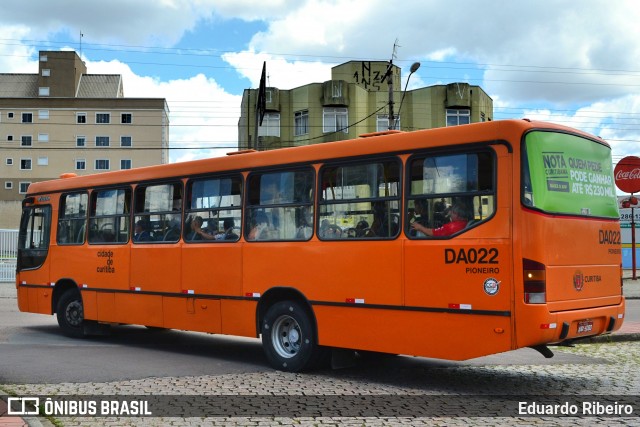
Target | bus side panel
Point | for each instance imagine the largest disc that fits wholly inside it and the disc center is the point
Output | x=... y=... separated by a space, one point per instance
x=90 y=305
x=139 y=309
x=239 y=318
x=23 y=299
x=40 y=300
x=212 y=268
x=439 y=335
x=190 y=313
x=156 y=267
x=327 y=271
x=106 y=302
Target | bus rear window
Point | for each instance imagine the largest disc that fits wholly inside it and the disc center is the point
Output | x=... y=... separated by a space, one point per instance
x=568 y=174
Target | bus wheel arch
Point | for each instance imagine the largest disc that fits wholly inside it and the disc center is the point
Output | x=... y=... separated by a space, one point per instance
x=289 y=331
x=69 y=309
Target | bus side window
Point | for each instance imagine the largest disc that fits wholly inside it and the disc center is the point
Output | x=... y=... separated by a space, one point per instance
x=72 y=220
x=109 y=216
x=159 y=209
x=360 y=200
x=280 y=205
x=449 y=194
x=214 y=210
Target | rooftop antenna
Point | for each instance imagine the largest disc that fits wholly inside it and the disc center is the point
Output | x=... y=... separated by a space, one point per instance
x=81 y=35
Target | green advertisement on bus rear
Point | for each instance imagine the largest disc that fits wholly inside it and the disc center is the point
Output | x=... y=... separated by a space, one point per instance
x=567 y=174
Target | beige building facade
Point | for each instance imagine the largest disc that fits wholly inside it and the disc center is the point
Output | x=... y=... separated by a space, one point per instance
x=64 y=120
x=356 y=101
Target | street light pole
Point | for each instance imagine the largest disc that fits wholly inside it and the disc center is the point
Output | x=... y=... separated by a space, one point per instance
x=413 y=69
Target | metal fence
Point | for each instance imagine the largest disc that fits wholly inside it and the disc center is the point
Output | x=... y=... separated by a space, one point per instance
x=8 y=253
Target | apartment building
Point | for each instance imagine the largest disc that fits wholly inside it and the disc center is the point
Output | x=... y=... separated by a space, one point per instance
x=356 y=101
x=63 y=119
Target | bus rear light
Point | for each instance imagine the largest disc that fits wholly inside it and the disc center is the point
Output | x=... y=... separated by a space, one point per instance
x=535 y=282
x=548 y=325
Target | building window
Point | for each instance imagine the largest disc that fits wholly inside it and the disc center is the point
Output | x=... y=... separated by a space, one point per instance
x=125 y=164
x=9 y=138
x=8 y=185
x=126 y=118
x=102 y=165
x=270 y=125
x=103 y=118
x=81 y=164
x=27 y=117
x=267 y=96
x=9 y=115
x=335 y=120
x=9 y=161
x=46 y=72
x=43 y=161
x=43 y=114
x=25 y=164
x=81 y=118
x=125 y=141
x=26 y=141
x=43 y=91
x=81 y=141
x=301 y=122
x=24 y=186
x=44 y=58
x=43 y=137
x=457 y=117
x=102 y=141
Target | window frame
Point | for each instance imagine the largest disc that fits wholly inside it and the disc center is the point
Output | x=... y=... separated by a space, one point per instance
x=333 y=113
x=126 y=216
x=383 y=159
x=189 y=211
x=301 y=122
x=249 y=208
x=166 y=221
x=81 y=234
x=462 y=150
x=457 y=113
x=103 y=118
x=26 y=117
x=108 y=164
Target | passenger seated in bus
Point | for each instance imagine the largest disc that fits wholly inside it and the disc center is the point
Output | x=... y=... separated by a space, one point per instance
x=141 y=232
x=172 y=233
x=458 y=221
x=229 y=232
x=259 y=227
x=362 y=227
x=419 y=215
x=383 y=225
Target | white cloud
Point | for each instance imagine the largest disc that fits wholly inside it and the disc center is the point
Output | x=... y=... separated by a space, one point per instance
x=203 y=116
x=280 y=72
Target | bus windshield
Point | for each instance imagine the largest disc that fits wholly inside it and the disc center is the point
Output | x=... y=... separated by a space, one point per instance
x=568 y=174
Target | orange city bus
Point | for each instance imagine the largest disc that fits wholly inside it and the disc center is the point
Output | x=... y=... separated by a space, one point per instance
x=449 y=243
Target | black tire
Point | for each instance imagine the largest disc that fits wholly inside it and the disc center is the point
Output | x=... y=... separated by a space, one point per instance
x=289 y=338
x=70 y=314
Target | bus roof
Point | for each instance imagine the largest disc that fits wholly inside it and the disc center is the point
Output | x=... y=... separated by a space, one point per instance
x=384 y=143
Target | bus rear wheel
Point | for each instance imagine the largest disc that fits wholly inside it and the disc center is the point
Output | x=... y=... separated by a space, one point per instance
x=70 y=314
x=288 y=337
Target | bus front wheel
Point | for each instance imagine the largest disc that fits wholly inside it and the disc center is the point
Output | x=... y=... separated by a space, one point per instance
x=288 y=337
x=70 y=314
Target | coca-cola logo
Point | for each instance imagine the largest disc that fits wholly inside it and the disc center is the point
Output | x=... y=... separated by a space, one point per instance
x=627 y=174
x=633 y=174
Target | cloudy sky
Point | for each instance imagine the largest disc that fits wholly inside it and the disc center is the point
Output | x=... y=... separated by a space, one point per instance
x=576 y=63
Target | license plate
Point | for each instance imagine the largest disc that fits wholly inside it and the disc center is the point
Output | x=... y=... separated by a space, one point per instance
x=585 y=326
